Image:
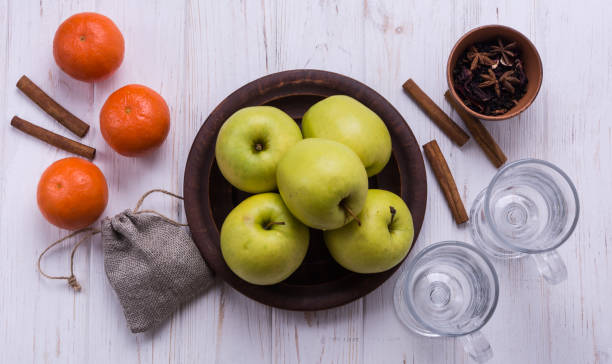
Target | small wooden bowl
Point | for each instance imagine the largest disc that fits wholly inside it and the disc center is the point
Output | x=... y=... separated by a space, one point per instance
x=319 y=282
x=529 y=55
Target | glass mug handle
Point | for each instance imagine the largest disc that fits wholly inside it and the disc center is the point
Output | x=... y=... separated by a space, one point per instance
x=477 y=346
x=551 y=266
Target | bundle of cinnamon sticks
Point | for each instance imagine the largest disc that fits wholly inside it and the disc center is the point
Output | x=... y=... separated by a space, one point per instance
x=59 y=113
x=433 y=153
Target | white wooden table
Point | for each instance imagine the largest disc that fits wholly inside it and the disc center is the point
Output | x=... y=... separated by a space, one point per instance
x=195 y=54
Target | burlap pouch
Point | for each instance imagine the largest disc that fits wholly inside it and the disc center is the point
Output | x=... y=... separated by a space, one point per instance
x=153 y=266
x=150 y=261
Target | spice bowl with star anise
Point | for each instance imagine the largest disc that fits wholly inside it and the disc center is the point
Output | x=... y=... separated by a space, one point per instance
x=494 y=72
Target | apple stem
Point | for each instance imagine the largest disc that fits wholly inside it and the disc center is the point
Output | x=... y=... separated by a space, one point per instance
x=258 y=147
x=272 y=223
x=393 y=211
x=348 y=211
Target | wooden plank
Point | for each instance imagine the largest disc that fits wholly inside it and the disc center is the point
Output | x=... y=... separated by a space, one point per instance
x=41 y=318
x=328 y=36
x=223 y=51
x=151 y=55
x=400 y=46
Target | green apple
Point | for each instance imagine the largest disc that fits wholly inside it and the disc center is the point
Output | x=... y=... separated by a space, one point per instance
x=381 y=241
x=322 y=182
x=348 y=121
x=261 y=241
x=250 y=144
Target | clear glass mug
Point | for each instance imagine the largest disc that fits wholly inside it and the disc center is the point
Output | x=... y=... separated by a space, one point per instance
x=449 y=289
x=530 y=208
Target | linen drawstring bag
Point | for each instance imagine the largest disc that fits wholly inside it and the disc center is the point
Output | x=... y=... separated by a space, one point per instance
x=150 y=261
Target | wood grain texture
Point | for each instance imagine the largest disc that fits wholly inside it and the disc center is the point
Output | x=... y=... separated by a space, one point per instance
x=195 y=53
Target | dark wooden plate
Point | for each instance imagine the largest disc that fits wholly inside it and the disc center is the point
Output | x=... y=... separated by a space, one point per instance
x=320 y=282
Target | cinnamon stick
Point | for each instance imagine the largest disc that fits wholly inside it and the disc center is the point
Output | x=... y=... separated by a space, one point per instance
x=57 y=111
x=446 y=181
x=479 y=132
x=443 y=121
x=49 y=137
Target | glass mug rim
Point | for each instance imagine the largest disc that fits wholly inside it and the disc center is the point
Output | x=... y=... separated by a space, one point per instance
x=489 y=192
x=453 y=243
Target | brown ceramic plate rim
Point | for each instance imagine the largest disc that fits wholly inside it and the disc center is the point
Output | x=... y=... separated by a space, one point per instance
x=199 y=215
x=512 y=113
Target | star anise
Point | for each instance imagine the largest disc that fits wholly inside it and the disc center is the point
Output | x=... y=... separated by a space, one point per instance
x=489 y=76
x=479 y=57
x=490 y=80
x=504 y=51
x=507 y=79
